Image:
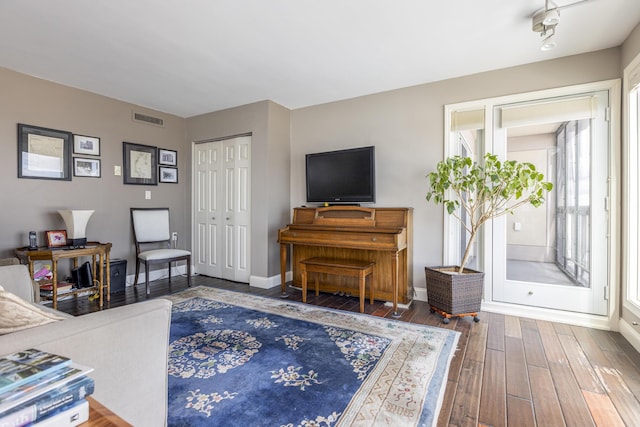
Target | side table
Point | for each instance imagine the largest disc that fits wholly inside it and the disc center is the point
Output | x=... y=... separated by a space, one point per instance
x=101 y=416
x=92 y=249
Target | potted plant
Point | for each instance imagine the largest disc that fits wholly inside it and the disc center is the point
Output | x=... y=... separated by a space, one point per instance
x=484 y=191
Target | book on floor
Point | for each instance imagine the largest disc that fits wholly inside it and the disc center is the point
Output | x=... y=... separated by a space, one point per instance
x=24 y=366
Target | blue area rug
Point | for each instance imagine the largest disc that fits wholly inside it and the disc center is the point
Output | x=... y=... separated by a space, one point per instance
x=241 y=360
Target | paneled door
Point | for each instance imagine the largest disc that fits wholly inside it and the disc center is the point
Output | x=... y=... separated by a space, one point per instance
x=221 y=208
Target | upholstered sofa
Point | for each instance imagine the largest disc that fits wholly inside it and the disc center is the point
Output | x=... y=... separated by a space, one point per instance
x=127 y=347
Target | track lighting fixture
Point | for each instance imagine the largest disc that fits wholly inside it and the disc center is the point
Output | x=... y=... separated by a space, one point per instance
x=544 y=22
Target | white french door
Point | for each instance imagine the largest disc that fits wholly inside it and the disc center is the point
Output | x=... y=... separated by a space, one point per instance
x=222 y=219
x=556 y=256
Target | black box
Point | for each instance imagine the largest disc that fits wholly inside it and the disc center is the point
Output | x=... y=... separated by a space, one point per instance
x=118 y=271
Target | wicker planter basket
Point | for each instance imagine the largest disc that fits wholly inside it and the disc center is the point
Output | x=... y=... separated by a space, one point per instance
x=453 y=294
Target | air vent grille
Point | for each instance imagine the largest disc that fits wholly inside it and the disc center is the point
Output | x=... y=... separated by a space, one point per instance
x=150 y=120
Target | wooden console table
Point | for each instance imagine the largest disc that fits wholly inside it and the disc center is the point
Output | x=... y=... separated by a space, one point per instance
x=92 y=249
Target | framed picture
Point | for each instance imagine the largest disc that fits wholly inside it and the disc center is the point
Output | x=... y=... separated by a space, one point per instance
x=86 y=145
x=86 y=167
x=167 y=157
x=56 y=238
x=140 y=164
x=44 y=153
x=168 y=174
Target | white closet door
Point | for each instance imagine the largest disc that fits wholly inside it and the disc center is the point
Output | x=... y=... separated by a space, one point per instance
x=222 y=208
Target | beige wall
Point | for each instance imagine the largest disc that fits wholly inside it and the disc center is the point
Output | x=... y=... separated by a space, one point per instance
x=630 y=48
x=406 y=126
x=32 y=204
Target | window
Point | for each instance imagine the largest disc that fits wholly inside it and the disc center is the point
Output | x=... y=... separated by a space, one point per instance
x=632 y=101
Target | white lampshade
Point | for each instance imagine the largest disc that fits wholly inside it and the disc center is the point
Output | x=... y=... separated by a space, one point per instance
x=76 y=221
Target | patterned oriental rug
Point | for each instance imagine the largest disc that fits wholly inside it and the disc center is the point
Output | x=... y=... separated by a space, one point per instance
x=242 y=360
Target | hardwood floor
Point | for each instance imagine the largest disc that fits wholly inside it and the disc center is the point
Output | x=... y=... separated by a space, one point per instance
x=507 y=371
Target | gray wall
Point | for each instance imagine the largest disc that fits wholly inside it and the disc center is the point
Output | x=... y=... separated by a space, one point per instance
x=406 y=126
x=269 y=125
x=32 y=204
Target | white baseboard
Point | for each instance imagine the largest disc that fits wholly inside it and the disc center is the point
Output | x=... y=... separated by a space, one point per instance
x=268 y=282
x=420 y=294
x=157 y=274
x=578 y=319
x=631 y=333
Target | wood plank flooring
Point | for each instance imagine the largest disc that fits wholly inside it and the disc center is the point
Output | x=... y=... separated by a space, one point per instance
x=507 y=371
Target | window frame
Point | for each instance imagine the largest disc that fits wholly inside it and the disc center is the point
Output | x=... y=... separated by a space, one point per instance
x=631 y=182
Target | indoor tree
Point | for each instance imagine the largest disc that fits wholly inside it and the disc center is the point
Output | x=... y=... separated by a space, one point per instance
x=484 y=190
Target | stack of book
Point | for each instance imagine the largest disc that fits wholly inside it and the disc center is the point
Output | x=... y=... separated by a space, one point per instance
x=43 y=389
x=63 y=287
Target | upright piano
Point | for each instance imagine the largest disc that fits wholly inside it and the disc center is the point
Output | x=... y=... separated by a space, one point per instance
x=381 y=235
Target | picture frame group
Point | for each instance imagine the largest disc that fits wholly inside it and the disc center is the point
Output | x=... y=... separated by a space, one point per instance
x=148 y=165
x=54 y=154
x=45 y=153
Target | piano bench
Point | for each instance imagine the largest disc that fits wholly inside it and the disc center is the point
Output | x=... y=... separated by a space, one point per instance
x=338 y=267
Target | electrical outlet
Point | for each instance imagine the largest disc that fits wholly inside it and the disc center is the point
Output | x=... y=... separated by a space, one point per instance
x=174 y=236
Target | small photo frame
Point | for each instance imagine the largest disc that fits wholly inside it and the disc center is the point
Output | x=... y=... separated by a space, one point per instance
x=56 y=238
x=140 y=164
x=88 y=145
x=44 y=153
x=167 y=157
x=86 y=167
x=169 y=175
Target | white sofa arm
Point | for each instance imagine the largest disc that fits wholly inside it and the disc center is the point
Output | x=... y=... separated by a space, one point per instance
x=16 y=279
x=127 y=346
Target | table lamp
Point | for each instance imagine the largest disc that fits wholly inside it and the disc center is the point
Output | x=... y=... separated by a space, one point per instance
x=76 y=221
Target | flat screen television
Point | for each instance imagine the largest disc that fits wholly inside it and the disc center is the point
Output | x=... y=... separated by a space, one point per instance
x=342 y=177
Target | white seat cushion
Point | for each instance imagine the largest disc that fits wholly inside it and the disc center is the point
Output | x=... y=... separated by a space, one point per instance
x=156 y=254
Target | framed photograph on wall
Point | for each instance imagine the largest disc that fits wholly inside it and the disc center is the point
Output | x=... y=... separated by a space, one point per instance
x=167 y=157
x=56 y=238
x=169 y=175
x=140 y=164
x=86 y=145
x=86 y=167
x=44 y=153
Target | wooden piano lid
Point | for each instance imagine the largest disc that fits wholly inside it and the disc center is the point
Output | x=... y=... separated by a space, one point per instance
x=354 y=216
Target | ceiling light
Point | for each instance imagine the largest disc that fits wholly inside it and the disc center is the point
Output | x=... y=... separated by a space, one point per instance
x=548 y=43
x=551 y=17
x=544 y=22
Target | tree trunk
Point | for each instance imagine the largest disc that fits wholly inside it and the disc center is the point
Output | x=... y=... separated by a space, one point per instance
x=467 y=251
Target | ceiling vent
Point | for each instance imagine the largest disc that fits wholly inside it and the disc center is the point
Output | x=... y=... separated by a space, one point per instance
x=145 y=118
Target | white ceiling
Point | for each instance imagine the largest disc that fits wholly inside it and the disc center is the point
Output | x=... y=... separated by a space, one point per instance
x=196 y=56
